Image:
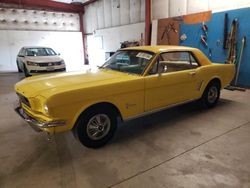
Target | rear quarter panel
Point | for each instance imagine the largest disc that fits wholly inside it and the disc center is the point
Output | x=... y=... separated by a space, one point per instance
x=224 y=72
x=208 y=71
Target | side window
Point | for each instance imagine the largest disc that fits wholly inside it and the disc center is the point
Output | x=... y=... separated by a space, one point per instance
x=21 y=52
x=174 y=61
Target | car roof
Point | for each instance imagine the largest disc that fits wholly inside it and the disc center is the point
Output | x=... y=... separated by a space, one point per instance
x=160 y=48
x=26 y=47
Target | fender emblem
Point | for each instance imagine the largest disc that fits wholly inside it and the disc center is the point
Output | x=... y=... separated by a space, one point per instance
x=127 y=105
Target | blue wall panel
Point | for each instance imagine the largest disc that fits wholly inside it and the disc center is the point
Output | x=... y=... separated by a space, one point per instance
x=215 y=39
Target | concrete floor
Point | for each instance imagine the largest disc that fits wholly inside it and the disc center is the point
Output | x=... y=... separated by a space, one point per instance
x=181 y=147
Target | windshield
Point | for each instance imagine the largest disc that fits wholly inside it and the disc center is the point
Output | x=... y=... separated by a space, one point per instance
x=40 y=52
x=130 y=61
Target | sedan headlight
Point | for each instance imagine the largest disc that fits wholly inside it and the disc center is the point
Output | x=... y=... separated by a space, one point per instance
x=32 y=63
x=62 y=62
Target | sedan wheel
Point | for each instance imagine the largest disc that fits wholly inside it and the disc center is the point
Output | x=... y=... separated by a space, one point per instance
x=26 y=73
x=19 y=70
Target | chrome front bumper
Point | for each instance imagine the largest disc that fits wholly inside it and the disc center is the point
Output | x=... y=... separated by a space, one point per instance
x=36 y=124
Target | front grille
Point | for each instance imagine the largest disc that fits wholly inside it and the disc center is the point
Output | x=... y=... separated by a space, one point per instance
x=46 y=71
x=23 y=99
x=50 y=64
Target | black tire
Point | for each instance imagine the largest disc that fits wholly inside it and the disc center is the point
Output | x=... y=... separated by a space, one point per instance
x=82 y=128
x=211 y=94
x=19 y=70
x=26 y=74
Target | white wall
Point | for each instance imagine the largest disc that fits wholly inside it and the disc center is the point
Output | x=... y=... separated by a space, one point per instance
x=154 y=32
x=96 y=52
x=112 y=13
x=160 y=9
x=112 y=37
x=109 y=40
x=218 y=6
x=171 y=8
x=69 y=44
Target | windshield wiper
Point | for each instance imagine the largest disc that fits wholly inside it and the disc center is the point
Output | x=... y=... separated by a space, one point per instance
x=101 y=67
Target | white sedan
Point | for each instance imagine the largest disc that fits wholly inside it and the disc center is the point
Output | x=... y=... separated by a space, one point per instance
x=33 y=60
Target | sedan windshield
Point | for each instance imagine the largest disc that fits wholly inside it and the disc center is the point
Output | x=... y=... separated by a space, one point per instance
x=40 y=52
x=130 y=61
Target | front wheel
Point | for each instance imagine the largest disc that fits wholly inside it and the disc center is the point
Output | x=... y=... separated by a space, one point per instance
x=19 y=70
x=25 y=70
x=96 y=127
x=211 y=95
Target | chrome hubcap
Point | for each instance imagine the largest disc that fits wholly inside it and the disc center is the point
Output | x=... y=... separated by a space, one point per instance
x=212 y=94
x=98 y=126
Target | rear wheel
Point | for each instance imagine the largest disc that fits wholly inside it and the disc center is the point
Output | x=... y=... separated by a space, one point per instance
x=211 y=94
x=96 y=127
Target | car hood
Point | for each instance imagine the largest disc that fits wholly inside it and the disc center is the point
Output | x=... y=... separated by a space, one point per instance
x=54 y=83
x=43 y=59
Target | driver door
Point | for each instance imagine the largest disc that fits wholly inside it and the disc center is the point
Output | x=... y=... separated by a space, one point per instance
x=174 y=78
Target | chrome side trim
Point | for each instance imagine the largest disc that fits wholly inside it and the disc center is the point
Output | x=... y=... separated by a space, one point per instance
x=160 y=109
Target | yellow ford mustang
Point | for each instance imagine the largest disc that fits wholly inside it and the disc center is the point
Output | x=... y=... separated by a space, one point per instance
x=133 y=82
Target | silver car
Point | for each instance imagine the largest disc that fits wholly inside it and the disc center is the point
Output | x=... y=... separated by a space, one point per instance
x=37 y=59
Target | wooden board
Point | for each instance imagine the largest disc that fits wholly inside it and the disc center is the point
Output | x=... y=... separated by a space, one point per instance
x=168 y=31
x=197 y=17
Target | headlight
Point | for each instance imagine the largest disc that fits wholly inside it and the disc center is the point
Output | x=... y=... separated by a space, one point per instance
x=32 y=63
x=39 y=104
x=62 y=62
x=46 y=109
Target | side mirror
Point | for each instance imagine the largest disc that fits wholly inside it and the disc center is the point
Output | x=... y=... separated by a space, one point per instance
x=162 y=68
x=58 y=54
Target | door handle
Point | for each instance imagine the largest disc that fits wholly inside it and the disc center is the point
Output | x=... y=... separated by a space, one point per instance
x=192 y=73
